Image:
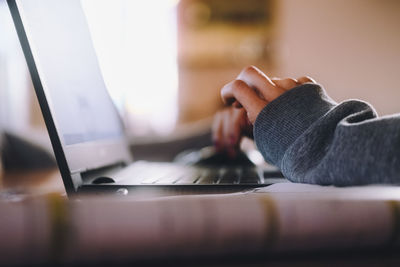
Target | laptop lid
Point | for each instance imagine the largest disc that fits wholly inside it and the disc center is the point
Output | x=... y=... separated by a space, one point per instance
x=84 y=126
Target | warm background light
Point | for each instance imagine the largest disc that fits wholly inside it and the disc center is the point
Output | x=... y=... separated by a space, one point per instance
x=136 y=45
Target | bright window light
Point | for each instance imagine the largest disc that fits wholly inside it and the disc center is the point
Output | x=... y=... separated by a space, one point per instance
x=136 y=43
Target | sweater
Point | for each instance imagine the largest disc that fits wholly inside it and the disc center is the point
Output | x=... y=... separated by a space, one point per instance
x=315 y=140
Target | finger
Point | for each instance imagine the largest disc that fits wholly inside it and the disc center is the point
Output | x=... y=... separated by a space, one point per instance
x=236 y=104
x=255 y=78
x=242 y=125
x=226 y=129
x=235 y=126
x=239 y=91
x=306 y=79
x=237 y=116
x=286 y=84
x=246 y=96
x=228 y=124
x=216 y=130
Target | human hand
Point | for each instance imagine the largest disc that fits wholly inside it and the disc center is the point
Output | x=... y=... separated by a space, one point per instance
x=253 y=90
x=228 y=128
x=249 y=93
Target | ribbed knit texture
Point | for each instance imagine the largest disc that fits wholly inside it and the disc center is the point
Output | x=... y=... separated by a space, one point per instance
x=314 y=140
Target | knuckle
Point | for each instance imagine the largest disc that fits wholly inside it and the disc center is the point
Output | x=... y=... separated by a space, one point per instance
x=238 y=85
x=250 y=69
x=305 y=79
x=290 y=80
x=289 y=83
x=224 y=88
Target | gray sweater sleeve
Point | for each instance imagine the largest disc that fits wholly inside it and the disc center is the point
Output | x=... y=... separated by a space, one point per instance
x=314 y=140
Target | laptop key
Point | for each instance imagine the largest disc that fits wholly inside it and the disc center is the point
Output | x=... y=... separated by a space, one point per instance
x=229 y=176
x=249 y=176
x=168 y=179
x=209 y=177
x=172 y=176
x=150 y=180
x=189 y=178
x=156 y=179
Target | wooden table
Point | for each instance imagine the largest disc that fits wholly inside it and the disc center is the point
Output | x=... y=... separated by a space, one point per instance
x=34 y=182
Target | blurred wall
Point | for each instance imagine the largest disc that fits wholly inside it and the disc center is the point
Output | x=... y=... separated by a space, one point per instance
x=216 y=40
x=351 y=47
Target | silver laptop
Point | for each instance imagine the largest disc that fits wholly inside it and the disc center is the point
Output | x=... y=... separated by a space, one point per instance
x=84 y=126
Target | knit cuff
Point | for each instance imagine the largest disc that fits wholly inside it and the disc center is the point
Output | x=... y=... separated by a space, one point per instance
x=283 y=120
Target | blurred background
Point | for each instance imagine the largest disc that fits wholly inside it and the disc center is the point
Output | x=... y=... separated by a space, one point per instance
x=165 y=61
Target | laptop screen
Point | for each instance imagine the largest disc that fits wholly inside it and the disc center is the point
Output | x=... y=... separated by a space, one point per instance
x=66 y=60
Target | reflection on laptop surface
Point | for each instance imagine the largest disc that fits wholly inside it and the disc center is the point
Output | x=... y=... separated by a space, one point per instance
x=86 y=132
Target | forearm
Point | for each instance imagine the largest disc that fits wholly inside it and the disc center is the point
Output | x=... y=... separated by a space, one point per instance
x=314 y=140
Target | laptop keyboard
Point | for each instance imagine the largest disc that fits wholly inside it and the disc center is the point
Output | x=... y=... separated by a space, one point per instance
x=147 y=173
x=212 y=176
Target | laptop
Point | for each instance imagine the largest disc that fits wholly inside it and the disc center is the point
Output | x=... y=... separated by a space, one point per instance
x=84 y=126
